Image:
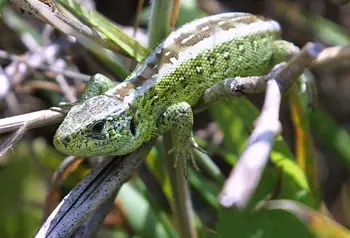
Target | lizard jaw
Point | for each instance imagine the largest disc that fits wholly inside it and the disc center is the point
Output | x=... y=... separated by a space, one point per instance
x=61 y=143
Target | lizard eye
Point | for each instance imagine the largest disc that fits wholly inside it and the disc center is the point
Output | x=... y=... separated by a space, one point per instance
x=98 y=127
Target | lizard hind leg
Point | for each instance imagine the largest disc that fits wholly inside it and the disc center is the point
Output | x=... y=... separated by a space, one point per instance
x=179 y=118
x=283 y=51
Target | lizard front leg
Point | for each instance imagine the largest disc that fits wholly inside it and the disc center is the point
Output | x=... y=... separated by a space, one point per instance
x=179 y=117
x=97 y=85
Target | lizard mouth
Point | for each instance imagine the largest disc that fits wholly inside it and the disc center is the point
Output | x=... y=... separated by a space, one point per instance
x=61 y=144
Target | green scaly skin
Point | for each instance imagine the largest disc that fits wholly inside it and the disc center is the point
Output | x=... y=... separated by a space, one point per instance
x=159 y=94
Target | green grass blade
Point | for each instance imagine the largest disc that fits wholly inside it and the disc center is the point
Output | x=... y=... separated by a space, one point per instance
x=236 y=118
x=321 y=225
x=140 y=214
x=333 y=136
x=108 y=29
x=262 y=224
x=304 y=144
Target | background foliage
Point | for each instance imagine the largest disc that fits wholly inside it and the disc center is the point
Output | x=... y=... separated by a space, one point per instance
x=309 y=162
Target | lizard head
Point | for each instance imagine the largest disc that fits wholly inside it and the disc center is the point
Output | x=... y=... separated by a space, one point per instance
x=99 y=126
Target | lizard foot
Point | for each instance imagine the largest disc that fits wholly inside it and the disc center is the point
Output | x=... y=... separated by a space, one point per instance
x=184 y=152
x=63 y=107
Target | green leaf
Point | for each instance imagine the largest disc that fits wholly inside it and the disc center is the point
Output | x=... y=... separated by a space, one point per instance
x=321 y=225
x=139 y=213
x=236 y=118
x=304 y=144
x=262 y=224
x=2 y=3
x=333 y=136
x=21 y=188
x=207 y=190
x=189 y=11
x=19 y=25
x=108 y=29
x=328 y=31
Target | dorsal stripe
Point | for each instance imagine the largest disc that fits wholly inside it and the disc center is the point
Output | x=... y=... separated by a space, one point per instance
x=189 y=41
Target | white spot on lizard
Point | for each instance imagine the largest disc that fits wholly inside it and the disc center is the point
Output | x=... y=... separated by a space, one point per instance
x=184 y=41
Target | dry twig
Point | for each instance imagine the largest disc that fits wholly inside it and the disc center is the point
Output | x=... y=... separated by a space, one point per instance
x=245 y=177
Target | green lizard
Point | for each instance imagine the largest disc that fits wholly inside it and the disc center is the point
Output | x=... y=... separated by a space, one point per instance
x=158 y=95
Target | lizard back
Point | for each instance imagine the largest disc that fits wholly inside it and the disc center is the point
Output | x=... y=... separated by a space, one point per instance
x=198 y=55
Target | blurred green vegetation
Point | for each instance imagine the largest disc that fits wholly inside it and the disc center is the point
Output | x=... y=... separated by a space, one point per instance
x=143 y=206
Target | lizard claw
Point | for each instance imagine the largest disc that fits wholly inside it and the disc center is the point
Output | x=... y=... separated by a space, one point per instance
x=66 y=104
x=184 y=157
x=63 y=107
x=197 y=147
x=58 y=109
x=185 y=152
